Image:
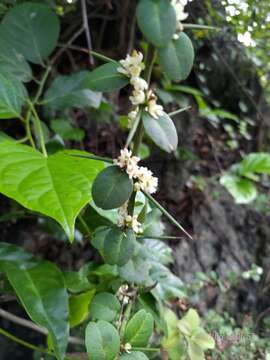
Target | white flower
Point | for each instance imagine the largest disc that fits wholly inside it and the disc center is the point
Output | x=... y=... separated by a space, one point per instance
x=137 y=97
x=122 y=214
x=133 y=223
x=132 y=65
x=132 y=115
x=146 y=180
x=139 y=83
x=179 y=9
x=154 y=109
x=126 y=160
x=128 y=348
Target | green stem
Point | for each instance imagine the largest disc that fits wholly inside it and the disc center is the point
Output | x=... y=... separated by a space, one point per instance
x=28 y=129
x=39 y=128
x=145 y=349
x=179 y=111
x=42 y=84
x=84 y=225
x=133 y=129
x=168 y=215
x=165 y=237
x=93 y=157
x=125 y=319
x=101 y=57
x=25 y=343
x=200 y=27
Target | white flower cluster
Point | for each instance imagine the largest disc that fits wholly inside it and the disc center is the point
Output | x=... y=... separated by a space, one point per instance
x=181 y=15
x=145 y=179
x=126 y=220
x=132 y=67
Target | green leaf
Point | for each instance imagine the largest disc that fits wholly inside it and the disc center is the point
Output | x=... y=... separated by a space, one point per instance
x=162 y=131
x=105 y=306
x=158 y=251
x=134 y=355
x=111 y=188
x=32 y=30
x=79 y=307
x=136 y=270
x=58 y=186
x=202 y=339
x=255 y=163
x=156 y=20
x=15 y=254
x=102 y=341
x=195 y=352
x=12 y=97
x=12 y=62
x=98 y=237
x=41 y=290
x=106 y=78
x=67 y=91
x=63 y=128
x=139 y=329
x=242 y=190
x=189 y=323
x=177 y=57
x=119 y=246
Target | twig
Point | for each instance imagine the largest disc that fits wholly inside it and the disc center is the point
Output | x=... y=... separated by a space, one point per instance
x=168 y=215
x=87 y=31
x=94 y=53
x=30 y=325
x=179 y=111
x=93 y=157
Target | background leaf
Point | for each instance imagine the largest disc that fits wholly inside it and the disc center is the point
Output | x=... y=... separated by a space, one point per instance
x=79 y=307
x=162 y=131
x=255 y=163
x=102 y=341
x=41 y=290
x=134 y=355
x=156 y=20
x=111 y=188
x=243 y=190
x=32 y=29
x=67 y=91
x=106 y=78
x=12 y=97
x=58 y=186
x=64 y=128
x=177 y=57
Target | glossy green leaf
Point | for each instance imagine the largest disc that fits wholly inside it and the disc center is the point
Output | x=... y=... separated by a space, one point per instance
x=15 y=254
x=12 y=62
x=243 y=190
x=177 y=57
x=106 y=78
x=79 y=307
x=102 y=341
x=134 y=355
x=41 y=290
x=119 y=246
x=12 y=96
x=64 y=128
x=105 y=306
x=255 y=163
x=139 y=329
x=158 y=251
x=111 y=188
x=67 y=91
x=162 y=131
x=58 y=186
x=156 y=20
x=32 y=29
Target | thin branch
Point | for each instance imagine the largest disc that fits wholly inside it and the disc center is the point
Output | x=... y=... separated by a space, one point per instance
x=200 y=27
x=87 y=31
x=81 y=49
x=93 y=157
x=168 y=215
x=30 y=325
x=179 y=111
